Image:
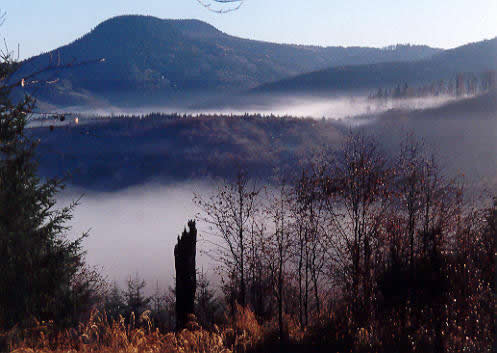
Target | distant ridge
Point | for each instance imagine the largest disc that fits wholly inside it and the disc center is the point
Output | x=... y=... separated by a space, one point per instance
x=146 y=56
x=471 y=58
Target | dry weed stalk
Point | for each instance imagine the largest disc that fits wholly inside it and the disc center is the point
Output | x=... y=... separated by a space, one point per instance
x=103 y=335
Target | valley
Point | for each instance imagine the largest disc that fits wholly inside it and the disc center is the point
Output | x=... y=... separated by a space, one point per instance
x=168 y=186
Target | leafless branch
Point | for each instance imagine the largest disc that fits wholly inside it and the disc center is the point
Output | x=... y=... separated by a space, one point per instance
x=3 y=15
x=222 y=6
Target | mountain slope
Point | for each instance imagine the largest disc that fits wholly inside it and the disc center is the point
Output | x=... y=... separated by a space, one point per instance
x=163 y=57
x=474 y=58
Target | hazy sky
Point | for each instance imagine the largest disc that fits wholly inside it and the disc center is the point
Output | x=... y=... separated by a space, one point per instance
x=41 y=25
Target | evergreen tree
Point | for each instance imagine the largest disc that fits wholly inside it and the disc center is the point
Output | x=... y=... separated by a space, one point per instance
x=207 y=309
x=114 y=303
x=136 y=301
x=38 y=264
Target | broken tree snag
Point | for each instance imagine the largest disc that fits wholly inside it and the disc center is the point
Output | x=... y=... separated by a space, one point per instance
x=186 y=277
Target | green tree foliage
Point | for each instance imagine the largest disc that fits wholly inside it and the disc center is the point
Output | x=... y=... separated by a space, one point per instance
x=136 y=302
x=114 y=302
x=38 y=263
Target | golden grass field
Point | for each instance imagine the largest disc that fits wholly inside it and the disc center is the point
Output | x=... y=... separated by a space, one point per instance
x=99 y=334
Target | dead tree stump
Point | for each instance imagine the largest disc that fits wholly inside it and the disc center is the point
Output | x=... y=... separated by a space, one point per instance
x=186 y=276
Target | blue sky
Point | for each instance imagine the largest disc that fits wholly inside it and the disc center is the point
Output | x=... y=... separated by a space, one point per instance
x=41 y=25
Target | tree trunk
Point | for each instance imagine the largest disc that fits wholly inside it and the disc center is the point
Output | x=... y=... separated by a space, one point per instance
x=186 y=279
x=243 y=289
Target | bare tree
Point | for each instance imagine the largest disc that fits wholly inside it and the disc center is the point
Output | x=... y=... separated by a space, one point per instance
x=278 y=243
x=310 y=229
x=232 y=213
x=358 y=199
x=409 y=170
x=259 y=278
x=300 y=249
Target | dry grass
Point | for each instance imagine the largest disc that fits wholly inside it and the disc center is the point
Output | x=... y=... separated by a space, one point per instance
x=242 y=334
x=102 y=335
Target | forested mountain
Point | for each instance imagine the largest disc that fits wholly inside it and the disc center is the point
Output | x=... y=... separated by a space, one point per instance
x=471 y=58
x=130 y=55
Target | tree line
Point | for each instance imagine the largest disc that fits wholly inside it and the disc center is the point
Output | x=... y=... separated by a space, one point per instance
x=463 y=84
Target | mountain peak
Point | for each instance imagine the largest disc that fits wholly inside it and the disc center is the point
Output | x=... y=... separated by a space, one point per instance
x=128 y=24
x=190 y=27
x=127 y=20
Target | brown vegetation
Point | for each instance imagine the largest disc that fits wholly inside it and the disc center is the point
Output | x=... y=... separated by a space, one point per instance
x=357 y=252
x=364 y=251
x=102 y=334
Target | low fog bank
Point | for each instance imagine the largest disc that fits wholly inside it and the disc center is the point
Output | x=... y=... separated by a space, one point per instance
x=134 y=231
x=332 y=107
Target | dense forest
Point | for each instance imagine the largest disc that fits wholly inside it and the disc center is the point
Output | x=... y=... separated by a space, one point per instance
x=111 y=153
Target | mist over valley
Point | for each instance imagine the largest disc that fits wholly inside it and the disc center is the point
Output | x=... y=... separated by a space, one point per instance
x=194 y=184
x=139 y=174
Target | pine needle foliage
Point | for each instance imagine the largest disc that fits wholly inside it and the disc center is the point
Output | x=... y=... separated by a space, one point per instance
x=38 y=264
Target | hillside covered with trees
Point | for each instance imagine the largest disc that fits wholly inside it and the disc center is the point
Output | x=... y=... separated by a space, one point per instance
x=112 y=153
x=138 y=59
x=475 y=58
